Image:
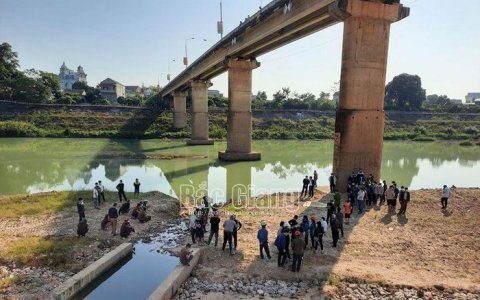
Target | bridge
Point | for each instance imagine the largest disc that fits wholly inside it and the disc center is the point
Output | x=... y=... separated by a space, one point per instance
x=360 y=117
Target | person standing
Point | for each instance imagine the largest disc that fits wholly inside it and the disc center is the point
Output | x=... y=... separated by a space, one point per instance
x=136 y=186
x=315 y=178
x=228 y=227
x=121 y=191
x=262 y=236
x=337 y=200
x=360 y=200
x=281 y=244
x=80 y=209
x=113 y=216
x=305 y=186
x=339 y=217
x=370 y=194
x=406 y=199
x=313 y=226
x=298 y=247
x=311 y=185
x=335 y=227
x=390 y=196
x=237 y=227
x=401 y=198
x=305 y=225
x=192 y=226
x=446 y=195
x=214 y=228
x=330 y=210
x=102 y=191
x=318 y=236
x=95 y=196
x=199 y=233
x=332 y=180
x=348 y=211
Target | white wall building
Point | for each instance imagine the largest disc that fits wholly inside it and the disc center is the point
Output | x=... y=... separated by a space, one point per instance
x=69 y=77
x=471 y=97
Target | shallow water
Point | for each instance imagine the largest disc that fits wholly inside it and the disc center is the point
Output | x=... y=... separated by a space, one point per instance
x=33 y=165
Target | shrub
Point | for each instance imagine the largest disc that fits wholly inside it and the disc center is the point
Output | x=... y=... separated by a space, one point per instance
x=466 y=143
x=19 y=129
x=471 y=130
x=420 y=130
x=424 y=139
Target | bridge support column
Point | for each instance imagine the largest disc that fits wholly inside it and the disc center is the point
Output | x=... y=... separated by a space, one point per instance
x=239 y=119
x=360 y=119
x=200 y=113
x=179 y=110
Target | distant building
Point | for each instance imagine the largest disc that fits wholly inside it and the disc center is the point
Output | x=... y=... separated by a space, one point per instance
x=471 y=97
x=132 y=90
x=456 y=101
x=111 y=90
x=336 y=97
x=215 y=93
x=69 y=77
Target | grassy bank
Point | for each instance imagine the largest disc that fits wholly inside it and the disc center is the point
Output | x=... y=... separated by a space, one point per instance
x=47 y=203
x=146 y=124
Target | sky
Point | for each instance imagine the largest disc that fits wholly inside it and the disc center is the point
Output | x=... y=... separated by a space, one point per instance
x=134 y=41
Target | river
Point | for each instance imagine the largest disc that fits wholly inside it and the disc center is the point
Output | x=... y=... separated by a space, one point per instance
x=30 y=165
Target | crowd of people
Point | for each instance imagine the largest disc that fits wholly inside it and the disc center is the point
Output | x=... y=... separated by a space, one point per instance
x=139 y=212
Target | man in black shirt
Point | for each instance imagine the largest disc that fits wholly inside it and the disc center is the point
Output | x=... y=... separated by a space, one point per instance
x=330 y=210
x=293 y=222
x=121 y=191
x=305 y=186
x=214 y=228
x=113 y=216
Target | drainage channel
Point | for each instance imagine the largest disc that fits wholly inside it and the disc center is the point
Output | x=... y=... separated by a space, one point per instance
x=136 y=276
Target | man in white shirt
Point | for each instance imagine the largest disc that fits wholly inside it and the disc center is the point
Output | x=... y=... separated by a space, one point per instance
x=360 y=200
x=324 y=225
x=192 y=226
x=446 y=195
x=95 y=196
x=102 y=191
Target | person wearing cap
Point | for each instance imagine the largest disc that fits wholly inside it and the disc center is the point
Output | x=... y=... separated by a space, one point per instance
x=121 y=191
x=80 y=209
x=228 y=227
x=337 y=199
x=298 y=247
x=313 y=226
x=446 y=195
x=136 y=186
x=281 y=244
x=335 y=227
x=82 y=228
x=126 y=228
x=238 y=226
x=262 y=236
x=214 y=228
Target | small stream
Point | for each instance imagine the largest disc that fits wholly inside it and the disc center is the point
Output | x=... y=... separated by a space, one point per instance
x=136 y=276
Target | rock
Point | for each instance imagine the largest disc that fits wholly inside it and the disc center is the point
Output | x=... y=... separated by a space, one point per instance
x=260 y=292
x=420 y=293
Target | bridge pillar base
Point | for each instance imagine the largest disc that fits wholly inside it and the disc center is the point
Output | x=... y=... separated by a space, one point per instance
x=193 y=142
x=179 y=110
x=360 y=119
x=236 y=156
x=239 y=118
x=200 y=112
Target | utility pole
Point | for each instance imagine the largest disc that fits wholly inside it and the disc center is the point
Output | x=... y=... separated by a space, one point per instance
x=220 y=24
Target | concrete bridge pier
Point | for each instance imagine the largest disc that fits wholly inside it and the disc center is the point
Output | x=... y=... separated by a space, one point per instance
x=239 y=119
x=360 y=119
x=200 y=113
x=179 y=110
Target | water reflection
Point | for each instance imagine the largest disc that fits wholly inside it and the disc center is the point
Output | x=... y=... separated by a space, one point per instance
x=34 y=165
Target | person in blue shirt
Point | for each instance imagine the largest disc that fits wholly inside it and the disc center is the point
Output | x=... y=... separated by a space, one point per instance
x=262 y=237
x=306 y=229
x=281 y=244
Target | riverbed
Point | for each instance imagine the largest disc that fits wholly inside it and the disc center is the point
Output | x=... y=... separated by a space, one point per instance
x=30 y=165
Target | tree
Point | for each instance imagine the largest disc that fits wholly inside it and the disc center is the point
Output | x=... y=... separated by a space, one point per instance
x=52 y=81
x=261 y=96
x=93 y=96
x=432 y=99
x=404 y=92
x=443 y=100
x=8 y=70
x=27 y=89
x=80 y=85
